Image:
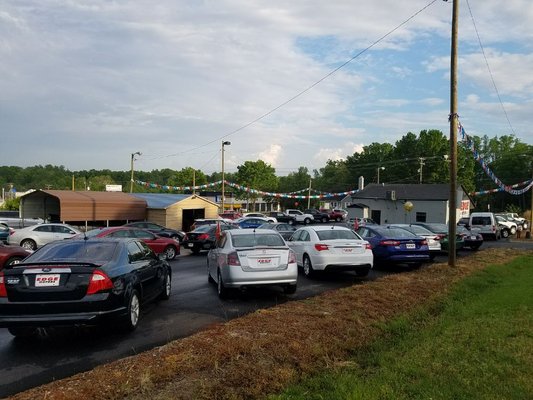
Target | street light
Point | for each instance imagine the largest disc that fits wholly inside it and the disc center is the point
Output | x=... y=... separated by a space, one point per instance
x=137 y=153
x=224 y=143
x=380 y=169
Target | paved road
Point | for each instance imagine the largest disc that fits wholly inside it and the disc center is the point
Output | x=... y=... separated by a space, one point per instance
x=193 y=306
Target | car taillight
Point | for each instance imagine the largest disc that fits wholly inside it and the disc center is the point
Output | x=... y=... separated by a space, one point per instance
x=321 y=246
x=440 y=237
x=203 y=236
x=368 y=246
x=233 y=259
x=292 y=257
x=3 y=291
x=99 y=282
x=424 y=242
x=389 y=243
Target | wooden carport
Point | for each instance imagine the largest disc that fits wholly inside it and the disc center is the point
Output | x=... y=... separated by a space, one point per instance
x=84 y=207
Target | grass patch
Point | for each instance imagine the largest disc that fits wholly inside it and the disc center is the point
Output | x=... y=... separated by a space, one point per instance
x=476 y=343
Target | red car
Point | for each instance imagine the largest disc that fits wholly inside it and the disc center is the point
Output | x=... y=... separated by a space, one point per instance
x=159 y=244
x=12 y=254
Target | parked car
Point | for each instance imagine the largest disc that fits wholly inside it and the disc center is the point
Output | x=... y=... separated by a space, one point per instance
x=5 y=231
x=318 y=215
x=300 y=217
x=244 y=258
x=518 y=219
x=82 y=282
x=361 y=222
x=442 y=231
x=395 y=245
x=472 y=239
x=230 y=214
x=284 y=229
x=283 y=217
x=251 y=222
x=330 y=248
x=433 y=239
x=167 y=246
x=12 y=254
x=159 y=230
x=486 y=223
x=212 y=221
x=36 y=236
x=511 y=225
x=464 y=221
x=204 y=237
x=336 y=214
x=260 y=215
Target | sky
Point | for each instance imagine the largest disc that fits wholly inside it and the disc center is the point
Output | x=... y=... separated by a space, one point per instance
x=86 y=84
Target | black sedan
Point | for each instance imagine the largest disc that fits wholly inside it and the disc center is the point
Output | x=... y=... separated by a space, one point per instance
x=82 y=282
x=159 y=230
x=471 y=237
x=204 y=237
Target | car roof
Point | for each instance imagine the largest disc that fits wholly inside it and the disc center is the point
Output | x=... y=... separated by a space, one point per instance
x=255 y=231
x=326 y=227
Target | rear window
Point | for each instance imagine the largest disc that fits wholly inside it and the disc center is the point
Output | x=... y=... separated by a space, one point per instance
x=332 y=234
x=481 y=221
x=257 y=240
x=82 y=251
x=396 y=233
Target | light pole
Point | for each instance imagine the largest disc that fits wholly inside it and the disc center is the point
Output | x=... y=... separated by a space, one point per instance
x=224 y=143
x=380 y=169
x=137 y=153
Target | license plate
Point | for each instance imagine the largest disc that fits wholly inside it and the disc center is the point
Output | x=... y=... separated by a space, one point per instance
x=190 y=244
x=264 y=261
x=47 y=280
x=347 y=250
x=410 y=245
x=473 y=237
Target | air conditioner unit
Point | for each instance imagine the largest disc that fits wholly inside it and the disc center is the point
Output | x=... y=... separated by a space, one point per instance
x=390 y=195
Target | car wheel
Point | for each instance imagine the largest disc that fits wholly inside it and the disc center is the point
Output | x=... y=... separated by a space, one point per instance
x=165 y=294
x=291 y=222
x=513 y=230
x=290 y=289
x=505 y=233
x=13 y=260
x=307 y=221
x=324 y=220
x=338 y=219
x=308 y=267
x=29 y=244
x=223 y=291
x=23 y=332
x=170 y=252
x=130 y=321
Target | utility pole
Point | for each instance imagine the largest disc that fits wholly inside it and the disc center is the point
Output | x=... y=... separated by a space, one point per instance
x=193 y=182
x=309 y=196
x=421 y=165
x=137 y=153
x=452 y=204
x=224 y=143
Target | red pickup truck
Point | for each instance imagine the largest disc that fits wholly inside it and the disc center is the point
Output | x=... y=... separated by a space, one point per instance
x=337 y=214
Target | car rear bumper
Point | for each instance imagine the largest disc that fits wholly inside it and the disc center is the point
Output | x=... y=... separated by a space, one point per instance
x=342 y=262
x=344 y=267
x=235 y=277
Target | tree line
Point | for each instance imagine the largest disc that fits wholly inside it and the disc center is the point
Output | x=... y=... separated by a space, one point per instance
x=414 y=158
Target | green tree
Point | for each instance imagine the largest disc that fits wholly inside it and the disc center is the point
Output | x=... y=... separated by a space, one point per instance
x=256 y=175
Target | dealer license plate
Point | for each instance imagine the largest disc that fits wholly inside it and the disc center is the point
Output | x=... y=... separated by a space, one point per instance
x=190 y=244
x=347 y=250
x=410 y=245
x=47 y=280
x=473 y=237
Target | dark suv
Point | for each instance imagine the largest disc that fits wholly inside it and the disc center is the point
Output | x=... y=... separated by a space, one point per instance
x=318 y=215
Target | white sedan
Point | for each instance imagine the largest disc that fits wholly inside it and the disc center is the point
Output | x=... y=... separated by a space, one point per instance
x=251 y=257
x=36 y=236
x=328 y=248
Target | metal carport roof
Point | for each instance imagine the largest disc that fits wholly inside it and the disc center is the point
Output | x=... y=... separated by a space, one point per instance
x=67 y=205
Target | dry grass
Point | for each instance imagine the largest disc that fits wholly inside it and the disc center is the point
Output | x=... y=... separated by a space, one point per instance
x=250 y=357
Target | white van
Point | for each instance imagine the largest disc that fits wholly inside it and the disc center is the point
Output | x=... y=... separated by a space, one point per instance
x=485 y=223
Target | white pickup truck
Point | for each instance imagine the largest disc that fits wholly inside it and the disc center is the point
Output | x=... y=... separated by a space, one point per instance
x=300 y=216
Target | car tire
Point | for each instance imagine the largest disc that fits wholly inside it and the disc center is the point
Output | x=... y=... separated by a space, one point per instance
x=290 y=289
x=130 y=321
x=23 y=332
x=513 y=230
x=167 y=288
x=338 y=219
x=223 y=291
x=505 y=233
x=308 y=267
x=307 y=221
x=170 y=252
x=324 y=220
x=29 y=244
x=13 y=260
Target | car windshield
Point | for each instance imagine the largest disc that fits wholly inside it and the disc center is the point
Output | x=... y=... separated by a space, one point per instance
x=332 y=234
x=252 y=240
x=79 y=251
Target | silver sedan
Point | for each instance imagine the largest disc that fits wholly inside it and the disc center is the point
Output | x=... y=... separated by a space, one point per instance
x=36 y=236
x=251 y=257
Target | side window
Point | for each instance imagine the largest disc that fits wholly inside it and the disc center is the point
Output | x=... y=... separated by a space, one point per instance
x=134 y=251
x=420 y=217
x=296 y=236
x=305 y=236
x=146 y=250
x=143 y=235
x=43 y=228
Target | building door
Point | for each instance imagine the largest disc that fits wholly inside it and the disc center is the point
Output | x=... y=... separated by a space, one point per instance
x=188 y=217
x=376 y=216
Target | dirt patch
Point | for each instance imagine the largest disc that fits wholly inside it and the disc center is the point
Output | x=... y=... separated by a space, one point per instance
x=250 y=357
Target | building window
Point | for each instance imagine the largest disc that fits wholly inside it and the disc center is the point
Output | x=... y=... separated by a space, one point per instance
x=420 y=217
